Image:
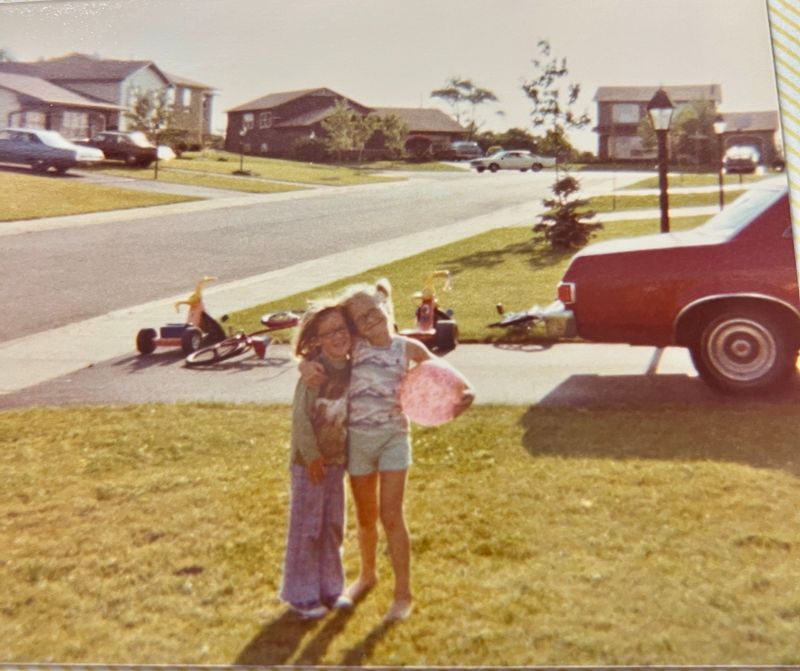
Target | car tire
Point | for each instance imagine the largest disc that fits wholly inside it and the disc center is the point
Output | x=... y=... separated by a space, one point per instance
x=536 y=167
x=480 y=168
x=191 y=340
x=40 y=167
x=145 y=341
x=523 y=170
x=494 y=167
x=745 y=350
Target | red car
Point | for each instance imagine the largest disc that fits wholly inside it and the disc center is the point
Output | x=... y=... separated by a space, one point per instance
x=726 y=290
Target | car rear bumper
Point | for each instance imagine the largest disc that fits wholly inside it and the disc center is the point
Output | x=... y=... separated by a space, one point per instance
x=558 y=320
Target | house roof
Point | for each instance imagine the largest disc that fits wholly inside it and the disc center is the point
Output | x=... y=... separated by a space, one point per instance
x=642 y=94
x=272 y=100
x=750 y=121
x=422 y=119
x=182 y=81
x=80 y=67
x=37 y=88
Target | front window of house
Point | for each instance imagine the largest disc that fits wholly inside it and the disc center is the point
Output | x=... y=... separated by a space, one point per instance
x=185 y=97
x=247 y=121
x=265 y=120
x=75 y=124
x=625 y=113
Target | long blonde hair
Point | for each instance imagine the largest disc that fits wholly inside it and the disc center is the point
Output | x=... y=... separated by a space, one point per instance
x=304 y=343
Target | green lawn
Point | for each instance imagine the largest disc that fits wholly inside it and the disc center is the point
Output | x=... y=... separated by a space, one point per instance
x=541 y=536
x=502 y=265
x=213 y=181
x=27 y=196
x=695 y=179
x=276 y=169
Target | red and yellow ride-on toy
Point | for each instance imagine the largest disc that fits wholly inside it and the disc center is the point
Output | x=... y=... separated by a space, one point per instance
x=435 y=327
x=199 y=330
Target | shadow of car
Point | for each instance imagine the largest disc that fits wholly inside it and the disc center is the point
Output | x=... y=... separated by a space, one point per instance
x=133 y=148
x=514 y=159
x=43 y=150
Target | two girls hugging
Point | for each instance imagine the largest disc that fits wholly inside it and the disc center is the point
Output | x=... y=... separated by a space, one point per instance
x=346 y=416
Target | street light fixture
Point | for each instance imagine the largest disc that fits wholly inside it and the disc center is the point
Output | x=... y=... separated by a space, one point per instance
x=719 y=129
x=660 y=109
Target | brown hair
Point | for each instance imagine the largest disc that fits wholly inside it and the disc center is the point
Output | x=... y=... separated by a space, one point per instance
x=304 y=345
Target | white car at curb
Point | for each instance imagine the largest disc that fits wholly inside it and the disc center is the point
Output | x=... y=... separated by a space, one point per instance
x=515 y=159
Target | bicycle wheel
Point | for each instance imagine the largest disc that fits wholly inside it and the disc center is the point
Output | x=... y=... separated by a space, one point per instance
x=227 y=349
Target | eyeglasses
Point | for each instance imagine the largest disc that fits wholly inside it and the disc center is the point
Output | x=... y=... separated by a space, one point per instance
x=342 y=330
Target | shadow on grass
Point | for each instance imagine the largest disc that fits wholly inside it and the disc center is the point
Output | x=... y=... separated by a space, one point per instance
x=276 y=642
x=658 y=425
x=538 y=255
x=363 y=650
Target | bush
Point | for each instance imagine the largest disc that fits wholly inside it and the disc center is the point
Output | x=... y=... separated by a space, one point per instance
x=309 y=149
x=561 y=226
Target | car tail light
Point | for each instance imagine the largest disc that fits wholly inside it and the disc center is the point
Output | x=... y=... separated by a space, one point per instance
x=566 y=292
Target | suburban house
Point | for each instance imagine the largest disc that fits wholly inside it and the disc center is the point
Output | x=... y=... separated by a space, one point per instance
x=272 y=124
x=80 y=95
x=620 y=110
x=753 y=129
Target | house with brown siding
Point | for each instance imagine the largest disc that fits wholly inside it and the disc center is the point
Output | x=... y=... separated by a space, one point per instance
x=753 y=129
x=272 y=124
x=95 y=82
x=620 y=110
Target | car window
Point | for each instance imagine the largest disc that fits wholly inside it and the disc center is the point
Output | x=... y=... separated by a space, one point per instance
x=744 y=209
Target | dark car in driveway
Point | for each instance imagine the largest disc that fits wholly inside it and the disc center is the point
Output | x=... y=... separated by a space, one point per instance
x=726 y=290
x=460 y=151
x=43 y=150
x=132 y=147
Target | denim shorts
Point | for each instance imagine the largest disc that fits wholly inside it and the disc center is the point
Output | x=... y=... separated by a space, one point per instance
x=374 y=451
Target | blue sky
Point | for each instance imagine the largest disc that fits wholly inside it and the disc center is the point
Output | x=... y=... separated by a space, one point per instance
x=395 y=52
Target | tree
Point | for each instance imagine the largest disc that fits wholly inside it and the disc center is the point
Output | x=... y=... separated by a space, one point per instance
x=395 y=131
x=338 y=129
x=150 y=109
x=458 y=93
x=363 y=128
x=552 y=108
x=562 y=226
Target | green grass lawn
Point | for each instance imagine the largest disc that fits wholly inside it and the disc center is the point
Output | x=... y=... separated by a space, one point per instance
x=621 y=202
x=27 y=196
x=696 y=179
x=213 y=181
x=502 y=265
x=541 y=536
x=217 y=162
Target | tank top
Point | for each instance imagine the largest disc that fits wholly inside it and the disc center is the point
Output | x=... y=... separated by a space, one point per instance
x=374 y=384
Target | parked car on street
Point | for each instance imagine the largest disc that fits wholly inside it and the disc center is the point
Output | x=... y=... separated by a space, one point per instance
x=516 y=159
x=459 y=151
x=726 y=290
x=740 y=160
x=132 y=147
x=44 y=149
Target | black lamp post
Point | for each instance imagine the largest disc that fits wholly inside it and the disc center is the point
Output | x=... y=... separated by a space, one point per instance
x=660 y=109
x=242 y=133
x=156 y=128
x=719 y=129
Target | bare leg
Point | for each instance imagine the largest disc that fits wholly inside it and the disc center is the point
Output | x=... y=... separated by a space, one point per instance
x=392 y=491
x=365 y=497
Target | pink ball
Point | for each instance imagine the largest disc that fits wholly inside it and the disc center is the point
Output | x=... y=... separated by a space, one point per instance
x=431 y=392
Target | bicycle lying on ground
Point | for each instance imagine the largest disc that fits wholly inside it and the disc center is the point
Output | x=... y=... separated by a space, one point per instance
x=241 y=343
